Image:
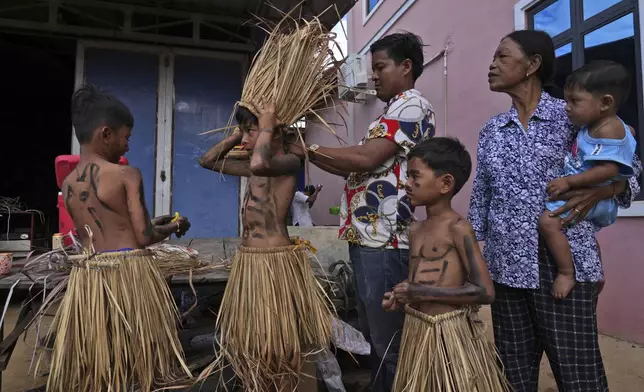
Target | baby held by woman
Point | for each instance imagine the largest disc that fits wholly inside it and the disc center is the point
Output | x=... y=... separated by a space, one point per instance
x=602 y=154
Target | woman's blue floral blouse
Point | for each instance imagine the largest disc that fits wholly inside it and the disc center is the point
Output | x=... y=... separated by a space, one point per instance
x=514 y=166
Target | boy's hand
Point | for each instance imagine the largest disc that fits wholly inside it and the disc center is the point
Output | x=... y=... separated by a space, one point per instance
x=162 y=220
x=558 y=186
x=389 y=303
x=297 y=149
x=402 y=292
x=267 y=116
x=183 y=225
x=237 y=134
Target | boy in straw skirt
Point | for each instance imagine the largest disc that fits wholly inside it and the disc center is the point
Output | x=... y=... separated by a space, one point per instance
x=116 y=327
x=274 y=312
x=444 y=347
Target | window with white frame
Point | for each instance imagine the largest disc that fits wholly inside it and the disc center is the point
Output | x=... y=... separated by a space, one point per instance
x=587 y=30
x=370 y=5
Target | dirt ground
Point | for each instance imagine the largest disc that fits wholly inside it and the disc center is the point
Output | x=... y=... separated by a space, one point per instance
x=623 y=361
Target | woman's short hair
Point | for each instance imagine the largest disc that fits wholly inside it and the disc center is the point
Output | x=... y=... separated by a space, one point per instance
x=535 y=42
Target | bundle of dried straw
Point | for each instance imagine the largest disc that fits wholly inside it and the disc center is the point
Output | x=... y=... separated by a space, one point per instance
x=116 y=327
x=295 y=68
x=55 y=268
x=447 y=352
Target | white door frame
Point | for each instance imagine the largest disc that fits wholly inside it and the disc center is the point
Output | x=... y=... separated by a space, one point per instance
x=165 y=106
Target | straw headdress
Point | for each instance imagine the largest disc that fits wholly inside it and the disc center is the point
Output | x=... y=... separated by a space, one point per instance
x=295 y=68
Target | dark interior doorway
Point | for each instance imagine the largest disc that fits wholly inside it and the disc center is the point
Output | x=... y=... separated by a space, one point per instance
x=37 y=84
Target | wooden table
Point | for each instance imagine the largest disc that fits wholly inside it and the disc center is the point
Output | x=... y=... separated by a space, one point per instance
x=21 y=283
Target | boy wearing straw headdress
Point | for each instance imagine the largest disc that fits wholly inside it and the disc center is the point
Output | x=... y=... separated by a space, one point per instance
x=116 y=327
x=443 y=347
x=274 y=312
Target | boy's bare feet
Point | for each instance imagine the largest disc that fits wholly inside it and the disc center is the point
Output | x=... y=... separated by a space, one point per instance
x=563 y=285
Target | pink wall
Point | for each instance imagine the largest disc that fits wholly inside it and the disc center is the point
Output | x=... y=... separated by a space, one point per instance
x=621 y=304
x=472 y=45
x=473 y=33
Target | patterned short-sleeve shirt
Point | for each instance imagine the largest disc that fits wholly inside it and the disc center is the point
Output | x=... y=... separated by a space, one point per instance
x=375 y=211
x=514 y=165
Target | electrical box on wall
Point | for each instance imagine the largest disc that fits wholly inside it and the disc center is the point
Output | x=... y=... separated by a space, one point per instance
x=353 y=79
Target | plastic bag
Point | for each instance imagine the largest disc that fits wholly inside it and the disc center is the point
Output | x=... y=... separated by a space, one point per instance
x=349 y=339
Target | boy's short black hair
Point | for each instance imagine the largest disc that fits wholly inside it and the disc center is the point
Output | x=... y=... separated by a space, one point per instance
x=245 y=118
x=400 y=47
x=92 y=109
x=602 y=77
x=445 y=155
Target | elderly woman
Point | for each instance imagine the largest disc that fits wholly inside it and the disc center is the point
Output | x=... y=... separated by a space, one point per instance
x=519 y=152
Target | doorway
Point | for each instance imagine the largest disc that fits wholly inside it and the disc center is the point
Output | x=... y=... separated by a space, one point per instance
x=174 y=95
x=37 y=85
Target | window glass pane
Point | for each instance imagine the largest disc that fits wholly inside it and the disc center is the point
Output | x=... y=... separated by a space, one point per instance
x=371 y=4
x=593 y=7
x=618 y=30
x=616 y=41
x=554 y=19
x=564 y=49
x=563 y=68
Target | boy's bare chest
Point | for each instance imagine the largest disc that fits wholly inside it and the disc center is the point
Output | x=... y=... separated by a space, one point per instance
x=433 y=257
x=264 y=207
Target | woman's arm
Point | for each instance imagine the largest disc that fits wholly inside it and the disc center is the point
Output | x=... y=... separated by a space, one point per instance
x=629 y=190
x=481 y=193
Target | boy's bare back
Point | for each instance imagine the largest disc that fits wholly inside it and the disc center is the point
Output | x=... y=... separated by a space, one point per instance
x=96 y=195
x=264 y=211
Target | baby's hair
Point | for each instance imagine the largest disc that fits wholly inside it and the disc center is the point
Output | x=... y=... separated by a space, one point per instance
x=92 y=109
x=602 y=77
x=445 y=155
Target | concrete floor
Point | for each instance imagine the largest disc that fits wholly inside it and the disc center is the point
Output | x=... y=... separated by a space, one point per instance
x=623 y=361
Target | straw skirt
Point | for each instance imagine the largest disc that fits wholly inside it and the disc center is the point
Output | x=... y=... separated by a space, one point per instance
x=116 y=327
x=273 y=314
x=447 y=353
